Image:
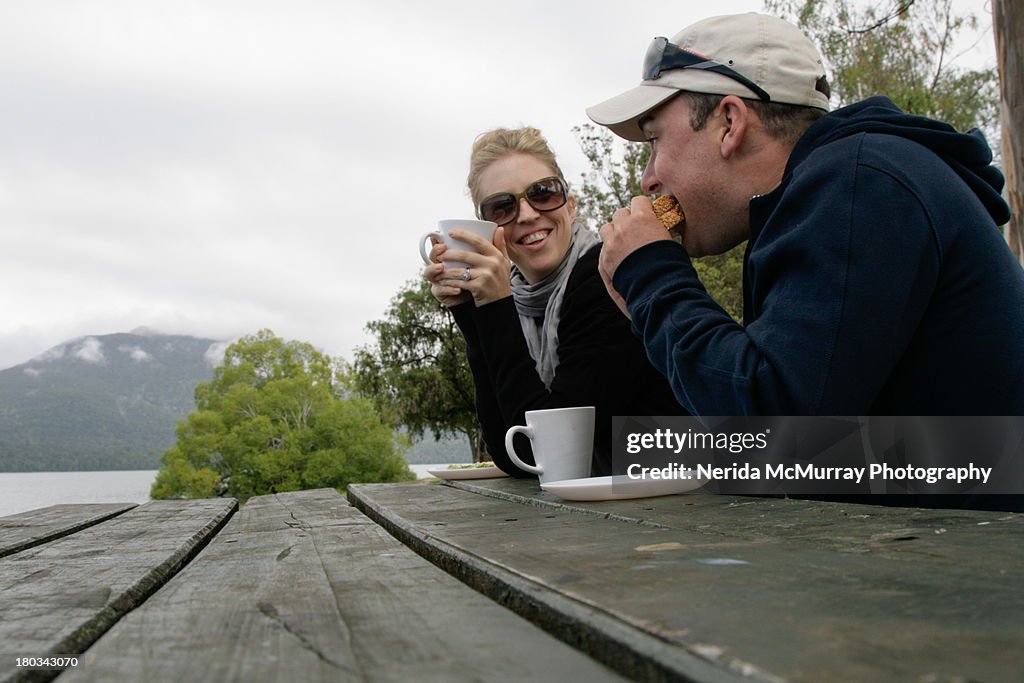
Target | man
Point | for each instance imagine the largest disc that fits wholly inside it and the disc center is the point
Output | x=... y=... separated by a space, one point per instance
x=875 y=282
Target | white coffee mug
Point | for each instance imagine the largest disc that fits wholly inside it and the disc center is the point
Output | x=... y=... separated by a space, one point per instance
x=484 y=229
x=562 y=440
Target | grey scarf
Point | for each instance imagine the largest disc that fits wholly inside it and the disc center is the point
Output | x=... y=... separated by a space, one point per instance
x=540 y=304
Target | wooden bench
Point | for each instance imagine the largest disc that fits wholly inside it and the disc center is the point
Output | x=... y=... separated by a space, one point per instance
x=305 y=587
x=295 y=587
x=23 y=531
x=58 y=597
x=713 y=588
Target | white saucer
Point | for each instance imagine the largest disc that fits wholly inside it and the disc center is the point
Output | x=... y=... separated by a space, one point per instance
x=619 y=487
x=467 y=473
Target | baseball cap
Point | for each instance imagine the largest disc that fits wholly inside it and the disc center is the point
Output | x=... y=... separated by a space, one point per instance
x=754 y=56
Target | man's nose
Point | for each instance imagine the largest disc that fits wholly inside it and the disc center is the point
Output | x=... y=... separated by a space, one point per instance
x=649 y=181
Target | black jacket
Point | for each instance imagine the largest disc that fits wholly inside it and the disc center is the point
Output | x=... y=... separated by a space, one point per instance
x=876 y=283
x=601 y=363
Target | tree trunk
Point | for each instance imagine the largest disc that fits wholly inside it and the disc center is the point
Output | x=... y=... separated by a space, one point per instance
x=1008 y=24
x=478 y=446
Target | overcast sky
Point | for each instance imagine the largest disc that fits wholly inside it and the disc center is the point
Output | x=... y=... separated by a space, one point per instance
x=220 y=166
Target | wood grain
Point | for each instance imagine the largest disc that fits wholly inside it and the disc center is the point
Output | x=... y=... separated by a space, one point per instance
x=28 y=529
x=58 y=598
x=762 y=589
x=303 y=587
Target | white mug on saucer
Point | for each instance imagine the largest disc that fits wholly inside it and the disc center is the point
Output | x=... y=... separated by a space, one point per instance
x=562 y=440
x=484 y=229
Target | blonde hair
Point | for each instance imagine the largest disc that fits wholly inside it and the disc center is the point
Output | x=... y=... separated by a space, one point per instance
x=501 y=142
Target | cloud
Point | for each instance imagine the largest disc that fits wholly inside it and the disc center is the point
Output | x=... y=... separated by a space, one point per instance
x=136 y=353
x=56 y=353
x=218 y=168
x=214 y=354
x=90 y=351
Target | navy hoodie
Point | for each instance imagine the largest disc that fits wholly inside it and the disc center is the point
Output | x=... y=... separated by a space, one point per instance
x=876 y=282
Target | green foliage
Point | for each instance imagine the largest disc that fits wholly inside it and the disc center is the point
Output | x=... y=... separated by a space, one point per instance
x=417 y=373
x=273 y=420
x=722 y=275
x=903 y=49
x=617 y=168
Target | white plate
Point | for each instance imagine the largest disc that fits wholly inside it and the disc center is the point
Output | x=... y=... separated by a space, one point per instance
x=619 y=487
x=468 y=473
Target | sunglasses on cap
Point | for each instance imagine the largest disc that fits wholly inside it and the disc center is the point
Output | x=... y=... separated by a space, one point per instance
x=664 y=56
x=546 y=194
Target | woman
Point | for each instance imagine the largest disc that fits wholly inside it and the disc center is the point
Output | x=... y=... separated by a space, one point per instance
x=541 y=331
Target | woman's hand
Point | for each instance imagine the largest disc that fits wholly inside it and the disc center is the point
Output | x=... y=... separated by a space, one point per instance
x=434 y=274
x=489 y=268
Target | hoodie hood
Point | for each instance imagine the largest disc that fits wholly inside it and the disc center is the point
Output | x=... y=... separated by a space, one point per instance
x=968 y=154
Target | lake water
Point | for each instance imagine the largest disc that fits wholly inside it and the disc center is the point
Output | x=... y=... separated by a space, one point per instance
x=22 y=491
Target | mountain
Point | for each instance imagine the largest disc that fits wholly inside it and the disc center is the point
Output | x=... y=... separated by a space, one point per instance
x=101 y=402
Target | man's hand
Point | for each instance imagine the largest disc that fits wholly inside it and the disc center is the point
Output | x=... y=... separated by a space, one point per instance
x=629 y=230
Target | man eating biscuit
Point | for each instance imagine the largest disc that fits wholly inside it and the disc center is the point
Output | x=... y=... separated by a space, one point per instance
x=876 y=280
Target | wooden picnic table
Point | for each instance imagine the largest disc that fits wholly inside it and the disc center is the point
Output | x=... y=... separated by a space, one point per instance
x=498 y=580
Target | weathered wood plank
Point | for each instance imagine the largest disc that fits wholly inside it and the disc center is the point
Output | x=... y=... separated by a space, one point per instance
x=770 y=589
x=844 y=527
x=27 y=529
x=303 y=587
x=58 y=598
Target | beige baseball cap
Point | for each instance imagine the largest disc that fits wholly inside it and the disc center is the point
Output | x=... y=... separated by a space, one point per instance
x=754 y=56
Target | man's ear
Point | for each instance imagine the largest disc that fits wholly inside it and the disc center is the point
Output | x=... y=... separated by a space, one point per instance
x=735 y=118
x=572 y=209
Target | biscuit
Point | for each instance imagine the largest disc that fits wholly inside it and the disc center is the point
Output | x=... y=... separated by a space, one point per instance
x=666 y=208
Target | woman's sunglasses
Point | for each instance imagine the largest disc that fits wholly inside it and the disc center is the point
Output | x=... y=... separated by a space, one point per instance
x=547 y=194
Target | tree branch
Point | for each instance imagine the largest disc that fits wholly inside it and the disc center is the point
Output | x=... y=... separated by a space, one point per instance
x=900 y=10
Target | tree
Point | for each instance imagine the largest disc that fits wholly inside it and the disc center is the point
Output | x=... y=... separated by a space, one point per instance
x=272 y=419
x=417 y=373
x=903 y=49
x=1008 y=24
x=616 y=169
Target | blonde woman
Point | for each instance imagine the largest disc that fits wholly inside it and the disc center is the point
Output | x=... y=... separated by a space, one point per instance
x=540 y=329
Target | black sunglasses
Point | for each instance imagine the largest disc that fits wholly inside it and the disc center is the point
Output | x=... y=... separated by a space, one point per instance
x=547 y=194
x=663 y=56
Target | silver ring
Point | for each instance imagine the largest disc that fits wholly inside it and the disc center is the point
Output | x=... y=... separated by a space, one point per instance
x=465 y=275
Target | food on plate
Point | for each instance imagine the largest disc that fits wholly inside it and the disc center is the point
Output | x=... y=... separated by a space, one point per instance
x=666 y=208
x=470 y=465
